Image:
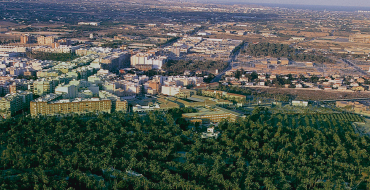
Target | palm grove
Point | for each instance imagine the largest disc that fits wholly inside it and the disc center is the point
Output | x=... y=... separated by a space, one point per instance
x=262 y=151
x=283 y=50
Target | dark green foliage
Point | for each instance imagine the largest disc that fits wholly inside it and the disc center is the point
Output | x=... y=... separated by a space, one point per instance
x=283 y=50
x=269 y=49
x=52 y=56
x=32 y=29
x=179 y=66
x=27 y=77
x=280 y=81
x=114 y=44
x=5 y=41
x=171 y=40
x=237 y=48
x=182 y=123
x=263 y=151
x=209 y=78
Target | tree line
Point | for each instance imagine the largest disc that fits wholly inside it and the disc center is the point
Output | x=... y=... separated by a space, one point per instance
x=179 y=66
x=283 y=50
x=52 y=56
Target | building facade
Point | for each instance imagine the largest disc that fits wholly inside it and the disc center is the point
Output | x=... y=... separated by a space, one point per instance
x=77 y=106
x=12 y=103
x=45 y=40
x=147 y=62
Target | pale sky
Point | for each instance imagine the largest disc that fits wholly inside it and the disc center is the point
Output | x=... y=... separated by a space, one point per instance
x=359 y=3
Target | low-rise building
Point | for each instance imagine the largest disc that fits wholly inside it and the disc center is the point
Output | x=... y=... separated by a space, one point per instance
x=284 y=61
x=361 y=107
x=359 y=38
x=358 y=88
x=215 y=115
x=299 y=103
x=222 y=94
x=211 y=133
x=89 y=23
x=299 y=39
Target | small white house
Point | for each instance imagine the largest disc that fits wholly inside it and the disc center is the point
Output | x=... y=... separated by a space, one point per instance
x=211 y=133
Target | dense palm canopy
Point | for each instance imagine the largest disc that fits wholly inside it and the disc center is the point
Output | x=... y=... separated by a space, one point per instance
x=263 y=151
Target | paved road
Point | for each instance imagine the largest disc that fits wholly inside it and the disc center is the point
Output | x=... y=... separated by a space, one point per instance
x=343 y=99
x=355 y=66
x=218 y=77
x=195 y=31
x=229 y=67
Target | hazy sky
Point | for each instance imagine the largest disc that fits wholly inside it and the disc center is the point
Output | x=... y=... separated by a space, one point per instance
x=360 y=3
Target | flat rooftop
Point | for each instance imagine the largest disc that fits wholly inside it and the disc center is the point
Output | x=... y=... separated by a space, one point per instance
x=204 y=113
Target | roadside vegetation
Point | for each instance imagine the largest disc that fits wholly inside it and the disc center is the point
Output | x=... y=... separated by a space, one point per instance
x=52 y=56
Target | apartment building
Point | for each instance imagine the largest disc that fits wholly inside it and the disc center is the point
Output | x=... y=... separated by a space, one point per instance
x=51 y=105
x=12 y=51
x=284 y=61
x=25 y=39
x=155 y=85
x=45 y=40
x=12 y=103
x=67 y=91
x=121 y=105
x=114 y=61
x=48 y=73
x=147 y=61
x=81 y=72
x=117 y=103
x=42 y=87
x=184 y=80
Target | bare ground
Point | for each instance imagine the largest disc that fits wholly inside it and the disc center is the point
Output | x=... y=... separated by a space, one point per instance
x=304 y=94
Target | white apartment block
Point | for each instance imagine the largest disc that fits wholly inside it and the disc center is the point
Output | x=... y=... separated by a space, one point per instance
x=148 y=59
x=67 y=91
x=170 y=90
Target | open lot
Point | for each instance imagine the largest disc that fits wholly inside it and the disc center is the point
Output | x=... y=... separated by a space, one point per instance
x=302 y=94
